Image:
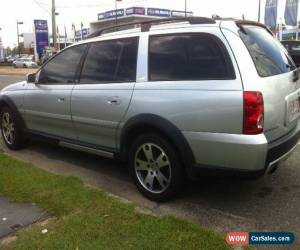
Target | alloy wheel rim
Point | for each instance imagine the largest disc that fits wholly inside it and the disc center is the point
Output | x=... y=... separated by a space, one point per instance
x=8 y=128
x=152 y=168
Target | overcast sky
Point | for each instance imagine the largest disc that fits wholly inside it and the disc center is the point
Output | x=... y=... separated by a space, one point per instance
x=86 y=11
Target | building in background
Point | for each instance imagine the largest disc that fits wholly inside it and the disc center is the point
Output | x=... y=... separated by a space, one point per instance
x=133 y=14
x=28 y=40
x=1 y=51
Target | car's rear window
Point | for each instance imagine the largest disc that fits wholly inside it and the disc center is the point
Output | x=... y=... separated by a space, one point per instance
x=269 y=56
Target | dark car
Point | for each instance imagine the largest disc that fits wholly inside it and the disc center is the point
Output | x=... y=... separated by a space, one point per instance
x=293 y=47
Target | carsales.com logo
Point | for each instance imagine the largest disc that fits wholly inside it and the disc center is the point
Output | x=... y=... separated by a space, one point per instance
x=259 y=238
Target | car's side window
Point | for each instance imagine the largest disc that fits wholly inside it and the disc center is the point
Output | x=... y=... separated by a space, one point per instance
x=111 y=61
x=62 y=68
x=179 y=57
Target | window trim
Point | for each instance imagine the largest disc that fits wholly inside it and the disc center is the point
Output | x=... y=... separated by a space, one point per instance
x=77 y=68
x=109 y=40
x=220 y=43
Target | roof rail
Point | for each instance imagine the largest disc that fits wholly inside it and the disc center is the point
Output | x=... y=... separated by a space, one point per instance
x=146 y=25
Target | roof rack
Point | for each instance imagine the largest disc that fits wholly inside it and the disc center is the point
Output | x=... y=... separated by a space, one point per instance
x=146 y=25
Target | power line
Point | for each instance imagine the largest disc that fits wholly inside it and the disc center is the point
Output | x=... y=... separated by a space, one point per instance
x=42 y=7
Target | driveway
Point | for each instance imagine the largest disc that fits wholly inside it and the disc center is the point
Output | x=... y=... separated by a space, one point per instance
x=270 y=204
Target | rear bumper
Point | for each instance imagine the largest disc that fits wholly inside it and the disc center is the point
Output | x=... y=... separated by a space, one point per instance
x=280 y=149
x=216 y=152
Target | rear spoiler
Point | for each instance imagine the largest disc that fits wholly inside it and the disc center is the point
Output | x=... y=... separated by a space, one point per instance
x=241 y=23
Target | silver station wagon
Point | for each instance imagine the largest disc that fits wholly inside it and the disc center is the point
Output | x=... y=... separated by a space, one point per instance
x=173 y=97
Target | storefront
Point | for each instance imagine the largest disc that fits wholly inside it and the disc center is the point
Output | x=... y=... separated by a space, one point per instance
x=133 y=14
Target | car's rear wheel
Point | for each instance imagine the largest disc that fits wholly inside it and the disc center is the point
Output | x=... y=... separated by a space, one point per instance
x=11 y=130
x=156 y=167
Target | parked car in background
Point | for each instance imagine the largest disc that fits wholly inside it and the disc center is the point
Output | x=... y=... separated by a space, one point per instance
x=293 y=47
x=173 y=98
x=24 y=63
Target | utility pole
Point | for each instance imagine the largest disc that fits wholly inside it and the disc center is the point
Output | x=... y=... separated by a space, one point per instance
x=185 y=8
x=19 y=49
x=259 y=6
x=53 y=24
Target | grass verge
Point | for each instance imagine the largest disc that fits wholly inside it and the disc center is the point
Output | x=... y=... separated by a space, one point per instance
x=86 y=218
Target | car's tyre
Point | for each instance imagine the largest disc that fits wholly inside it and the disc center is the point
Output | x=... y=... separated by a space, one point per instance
x=11 y=130
x=15 y=66
x=24 y=66
x=155 y=167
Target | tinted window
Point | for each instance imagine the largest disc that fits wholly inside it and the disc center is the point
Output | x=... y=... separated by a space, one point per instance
x=111 y=61
x=188 y=57
x=269 y=56
x=62 y=68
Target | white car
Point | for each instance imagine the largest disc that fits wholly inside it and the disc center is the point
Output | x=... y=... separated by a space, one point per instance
x=24 y=63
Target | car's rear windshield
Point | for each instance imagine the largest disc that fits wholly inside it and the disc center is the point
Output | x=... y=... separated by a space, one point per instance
x=269 y=56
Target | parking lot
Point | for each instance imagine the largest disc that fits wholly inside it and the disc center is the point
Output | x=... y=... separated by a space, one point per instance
x=268 y=204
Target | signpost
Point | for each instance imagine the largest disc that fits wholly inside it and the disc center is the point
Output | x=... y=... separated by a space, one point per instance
x=41 y=36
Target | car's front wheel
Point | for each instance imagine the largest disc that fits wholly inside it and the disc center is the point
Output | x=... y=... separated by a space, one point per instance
x=156 y=167
x=11 y=130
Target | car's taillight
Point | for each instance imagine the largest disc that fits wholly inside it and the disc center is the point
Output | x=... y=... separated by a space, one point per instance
x=253 y=113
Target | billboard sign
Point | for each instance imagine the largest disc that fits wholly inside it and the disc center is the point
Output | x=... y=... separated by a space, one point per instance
x=158 y=12
x=135 y=11
x=41 y=36
x=111 y=14
x=176 y=13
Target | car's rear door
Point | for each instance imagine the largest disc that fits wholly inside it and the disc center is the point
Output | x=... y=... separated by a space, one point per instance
x=47 y=102
x=101 y=98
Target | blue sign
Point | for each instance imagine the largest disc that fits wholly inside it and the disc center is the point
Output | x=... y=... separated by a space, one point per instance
x=266 y=238
x=271 y=13
x=135 y=11
x=291 y=12
x=41 y=35
x=158 y=12
x=111 y=14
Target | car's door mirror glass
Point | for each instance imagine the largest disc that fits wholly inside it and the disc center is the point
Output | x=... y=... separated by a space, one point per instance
x=30 y=78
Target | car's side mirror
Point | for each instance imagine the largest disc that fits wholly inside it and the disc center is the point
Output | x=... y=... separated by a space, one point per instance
x=30 y=78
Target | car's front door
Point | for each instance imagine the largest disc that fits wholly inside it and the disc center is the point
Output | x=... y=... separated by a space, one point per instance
x=101 y=98
x=47 y=102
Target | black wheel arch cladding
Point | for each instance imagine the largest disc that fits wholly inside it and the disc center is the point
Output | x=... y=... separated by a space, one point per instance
x=155 y=123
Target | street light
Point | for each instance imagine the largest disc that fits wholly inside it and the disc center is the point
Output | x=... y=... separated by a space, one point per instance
x=19 y=49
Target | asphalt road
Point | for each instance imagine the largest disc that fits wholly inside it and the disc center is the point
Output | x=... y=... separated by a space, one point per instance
x=271 y=203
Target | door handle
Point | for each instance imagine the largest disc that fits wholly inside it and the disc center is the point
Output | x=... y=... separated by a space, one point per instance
x=114 y=100
x=61 y=99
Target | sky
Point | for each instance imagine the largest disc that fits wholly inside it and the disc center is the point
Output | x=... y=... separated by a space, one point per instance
x=85 y=11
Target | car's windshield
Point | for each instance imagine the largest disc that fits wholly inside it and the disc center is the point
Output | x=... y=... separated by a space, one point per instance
x=269 y=56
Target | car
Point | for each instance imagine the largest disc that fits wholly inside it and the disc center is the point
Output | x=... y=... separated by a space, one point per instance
x=293 y=47
x=24 y=63
x=174 y=98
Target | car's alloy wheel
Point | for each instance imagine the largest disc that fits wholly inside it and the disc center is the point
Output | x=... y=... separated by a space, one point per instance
x=152 y=168
x=156 y=167
x=11 y=129
x=8 y=128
